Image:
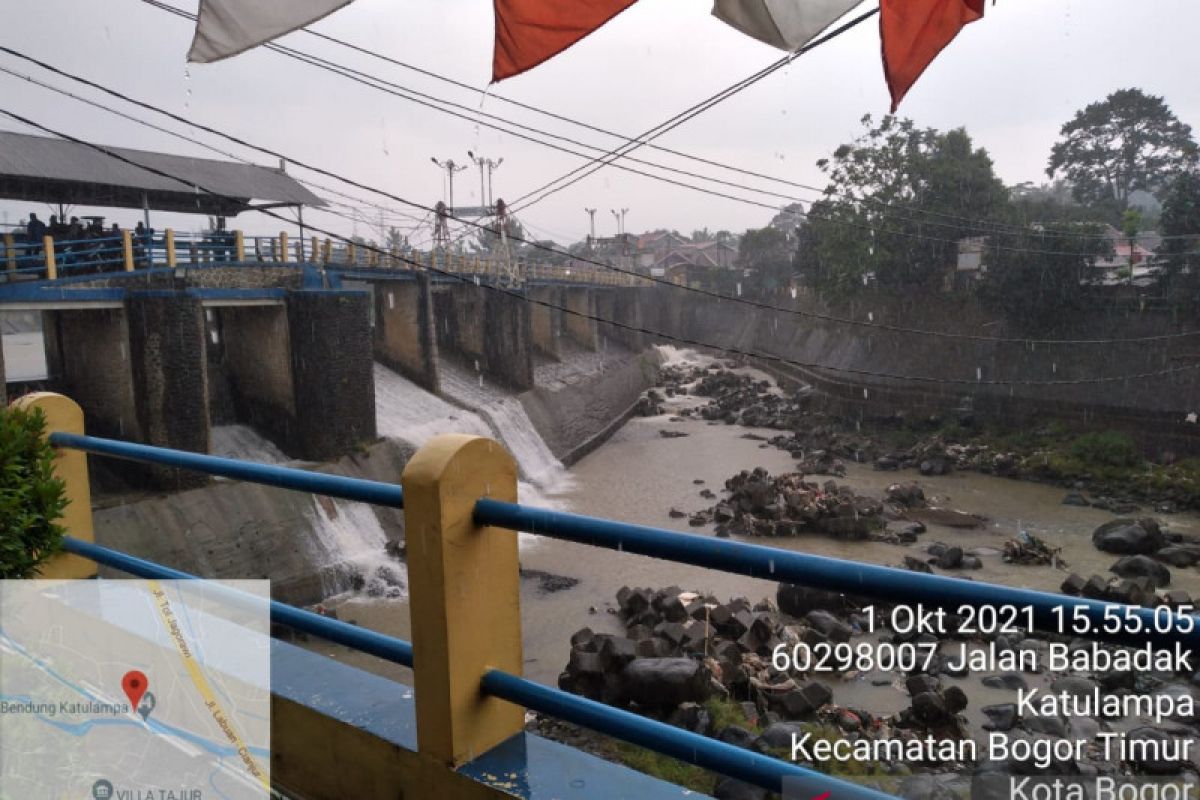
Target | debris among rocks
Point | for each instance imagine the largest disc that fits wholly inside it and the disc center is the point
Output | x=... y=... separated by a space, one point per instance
x=673 y=434
x=1026 y=548
x=548 y=583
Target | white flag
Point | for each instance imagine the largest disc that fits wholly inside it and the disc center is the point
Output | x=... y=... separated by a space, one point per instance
x=786 y=24
x=225 y=28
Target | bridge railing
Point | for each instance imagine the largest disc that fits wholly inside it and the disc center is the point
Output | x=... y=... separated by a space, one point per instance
x=459 y=498
x=130 y=250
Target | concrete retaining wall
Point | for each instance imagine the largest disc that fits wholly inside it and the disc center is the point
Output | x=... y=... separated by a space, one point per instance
x=577 y=416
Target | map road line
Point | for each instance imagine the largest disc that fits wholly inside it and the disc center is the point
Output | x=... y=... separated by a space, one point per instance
x=163 y=604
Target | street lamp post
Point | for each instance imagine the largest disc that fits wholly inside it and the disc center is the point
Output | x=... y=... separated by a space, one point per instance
x=450 y=168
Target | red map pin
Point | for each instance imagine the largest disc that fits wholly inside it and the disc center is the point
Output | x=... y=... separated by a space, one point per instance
x=135 y=685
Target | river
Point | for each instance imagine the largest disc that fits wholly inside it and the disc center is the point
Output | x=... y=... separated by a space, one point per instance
x=638 y=476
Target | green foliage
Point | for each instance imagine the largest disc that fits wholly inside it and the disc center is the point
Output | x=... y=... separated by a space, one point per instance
x=31 y=498
x=898 y=201
x=1128 y=141
x=1180 y=227
x=767 y=254
x=1039 y=277
x=1107 y=448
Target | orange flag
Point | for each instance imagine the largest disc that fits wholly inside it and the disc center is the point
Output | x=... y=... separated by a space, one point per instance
x=914 y=32
x=530 y=31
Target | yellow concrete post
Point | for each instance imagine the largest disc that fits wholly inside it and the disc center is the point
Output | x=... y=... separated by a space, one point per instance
x=465 y=590
x=168 y=240
x=10 y=252
x=316 y=250
x=283 y=246
x=373 y=257
x=239 y=246
x=327 y=252
x=48 y=251
x=63 y=415
x=351 y=256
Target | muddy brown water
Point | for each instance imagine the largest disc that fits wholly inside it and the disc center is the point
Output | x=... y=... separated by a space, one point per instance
x=638 y=475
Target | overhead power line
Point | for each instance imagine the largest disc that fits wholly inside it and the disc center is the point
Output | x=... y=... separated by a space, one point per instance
x=475 y=115
x=769 y=357
x=981 y=226
x=545 y=248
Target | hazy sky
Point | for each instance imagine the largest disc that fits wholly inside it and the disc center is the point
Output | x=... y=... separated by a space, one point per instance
x=1011 y=80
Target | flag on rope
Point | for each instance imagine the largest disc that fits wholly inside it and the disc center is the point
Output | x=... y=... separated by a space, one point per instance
x=530 y=31
x=225 y=28
x=914 y=32
x=786 y=24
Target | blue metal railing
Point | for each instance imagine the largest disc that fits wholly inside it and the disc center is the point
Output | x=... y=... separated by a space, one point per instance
x=301 y=480
x=729 y=556
x=368 y=641
x=821 y=572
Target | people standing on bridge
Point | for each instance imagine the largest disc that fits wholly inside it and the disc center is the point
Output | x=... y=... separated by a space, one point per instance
x=35 y=231
x=143 y=238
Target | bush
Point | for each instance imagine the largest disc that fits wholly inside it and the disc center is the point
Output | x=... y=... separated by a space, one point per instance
x=1109 y=449
x=31 y=498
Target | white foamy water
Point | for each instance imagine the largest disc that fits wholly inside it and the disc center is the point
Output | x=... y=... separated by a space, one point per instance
x=407 y=412
x=245 y=444
x=348 y=539
x=507 y=417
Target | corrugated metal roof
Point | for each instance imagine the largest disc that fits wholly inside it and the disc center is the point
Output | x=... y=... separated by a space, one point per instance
x=27 y=159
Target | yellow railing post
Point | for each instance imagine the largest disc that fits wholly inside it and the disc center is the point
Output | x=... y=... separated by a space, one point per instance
x=327 y=252
x=168 y=241
x=10 y=252
x=351 y=256
x=465 y=590
x=239 y=246
x=63 y=415
x=48 y=251
x=283 y=246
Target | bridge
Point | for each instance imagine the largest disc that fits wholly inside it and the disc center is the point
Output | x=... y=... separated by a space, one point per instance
x=290 y=329
x=340 y=732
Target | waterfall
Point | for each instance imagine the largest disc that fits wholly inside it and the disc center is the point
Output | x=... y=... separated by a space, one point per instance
x=507 y=417
x=407 y=412
x=350 y=544
x=245 y=444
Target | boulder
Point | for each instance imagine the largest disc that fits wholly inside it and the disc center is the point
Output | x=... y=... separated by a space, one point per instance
x=665 y=682
x=1001 y=717
x=1129 y=537
x=1142 y=567
x=1179 y=555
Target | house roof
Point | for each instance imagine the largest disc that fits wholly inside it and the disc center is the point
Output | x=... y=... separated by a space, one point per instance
x=45 y=169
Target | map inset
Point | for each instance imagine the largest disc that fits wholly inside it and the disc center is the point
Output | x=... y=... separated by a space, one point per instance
x=134 y=690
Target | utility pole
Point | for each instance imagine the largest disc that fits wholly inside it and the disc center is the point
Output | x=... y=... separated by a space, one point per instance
x=591 y=212
x=619 y=216
x=491 y=166
x=450 y=168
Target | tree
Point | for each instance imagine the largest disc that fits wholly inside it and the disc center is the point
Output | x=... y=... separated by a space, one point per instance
x=1180 y=227
x=899 y=200
x=31 y=498
x=1128 y=141
x=767 y=254
x=1040 y=277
